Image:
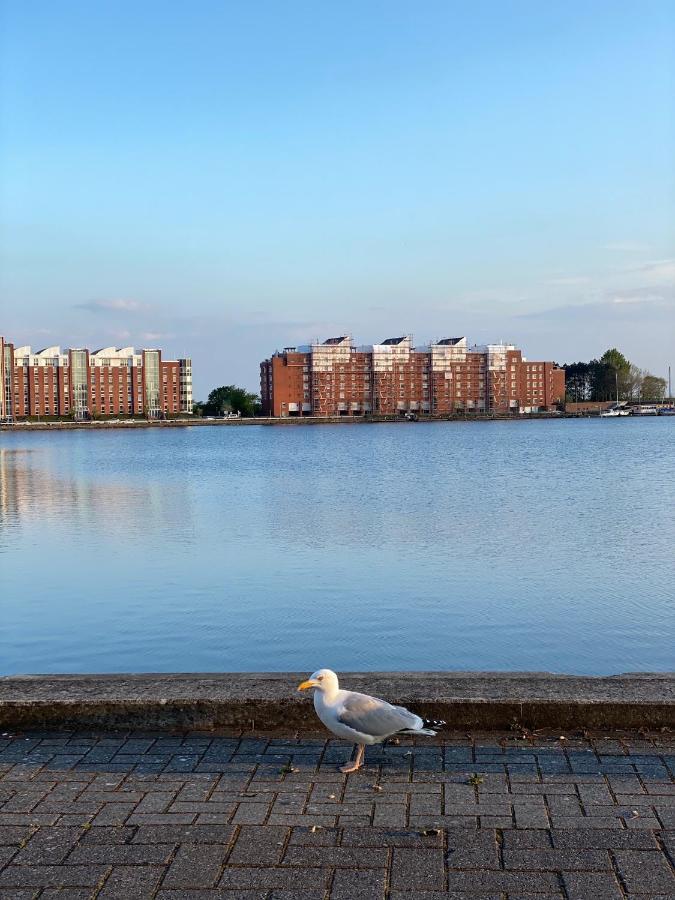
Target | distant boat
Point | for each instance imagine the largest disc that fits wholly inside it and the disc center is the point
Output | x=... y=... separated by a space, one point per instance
x=614 y=411
x=667 y=411
x=646 y=410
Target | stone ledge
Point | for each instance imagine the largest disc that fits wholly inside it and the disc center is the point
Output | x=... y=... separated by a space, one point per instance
x=269 y=702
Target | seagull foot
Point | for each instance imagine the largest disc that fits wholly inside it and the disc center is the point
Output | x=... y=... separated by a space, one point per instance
x=351 y=766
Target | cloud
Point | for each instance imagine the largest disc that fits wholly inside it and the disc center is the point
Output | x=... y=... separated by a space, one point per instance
x=126 y=306
x=659 y=271
x=157 y=336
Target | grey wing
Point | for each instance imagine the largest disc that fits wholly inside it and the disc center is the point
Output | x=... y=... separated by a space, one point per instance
x=378 y=718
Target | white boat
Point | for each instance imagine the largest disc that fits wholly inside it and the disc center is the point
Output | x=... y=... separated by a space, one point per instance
x=646 y=410
x=613 y=412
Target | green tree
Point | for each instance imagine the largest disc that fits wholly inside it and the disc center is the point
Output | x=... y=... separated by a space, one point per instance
x=230 y=398
x=577 y=381
x=620 y=371
x=653 y=388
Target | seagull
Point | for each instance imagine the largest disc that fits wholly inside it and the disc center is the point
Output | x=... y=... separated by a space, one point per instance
x=360 y=718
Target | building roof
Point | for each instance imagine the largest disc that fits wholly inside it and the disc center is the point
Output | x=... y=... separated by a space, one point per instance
x=450 y=342
x=391 y=341
x=337 y=340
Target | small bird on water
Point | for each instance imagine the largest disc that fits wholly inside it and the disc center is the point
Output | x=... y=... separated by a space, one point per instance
x=360 y=718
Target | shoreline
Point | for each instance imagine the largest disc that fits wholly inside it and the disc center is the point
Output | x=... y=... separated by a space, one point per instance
x=286 y=421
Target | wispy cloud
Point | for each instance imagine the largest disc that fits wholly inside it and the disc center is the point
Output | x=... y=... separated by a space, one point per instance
x=157 y=336
x=121 y=305
x=659 y=271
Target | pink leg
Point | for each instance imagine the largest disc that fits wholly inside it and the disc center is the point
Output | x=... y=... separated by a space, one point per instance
x=356 y=760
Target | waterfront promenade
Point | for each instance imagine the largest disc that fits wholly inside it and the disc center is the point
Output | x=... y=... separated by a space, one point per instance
x=245 y=816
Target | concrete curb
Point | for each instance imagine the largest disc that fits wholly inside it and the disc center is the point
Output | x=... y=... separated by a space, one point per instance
x=269 y=702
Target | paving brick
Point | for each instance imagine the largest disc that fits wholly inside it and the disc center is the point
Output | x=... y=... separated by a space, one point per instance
x=511 y=882
x=404 y=838
x=196 y=866
x=183 y=834
x=417 y=870
x=341 y=857
x=645 y=872
x=121 y=854
x=349 y=884
x=599 y=839
x=585 y=885
x=258 y=845
x=51 y=876
x=557 y=860
x=131 y=883
x=276 y=878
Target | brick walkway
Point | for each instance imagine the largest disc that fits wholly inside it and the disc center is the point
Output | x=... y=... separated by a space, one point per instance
x=182 y=817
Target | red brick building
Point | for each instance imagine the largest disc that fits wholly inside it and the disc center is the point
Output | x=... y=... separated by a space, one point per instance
x=336 y=378
x=83 y=384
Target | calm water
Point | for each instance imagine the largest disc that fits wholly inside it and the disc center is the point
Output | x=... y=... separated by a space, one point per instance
x=528 y=545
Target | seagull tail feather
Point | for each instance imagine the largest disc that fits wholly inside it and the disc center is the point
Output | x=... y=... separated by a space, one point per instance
x=429 y=726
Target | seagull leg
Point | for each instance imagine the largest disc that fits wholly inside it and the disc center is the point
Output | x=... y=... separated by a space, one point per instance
x=356 y=760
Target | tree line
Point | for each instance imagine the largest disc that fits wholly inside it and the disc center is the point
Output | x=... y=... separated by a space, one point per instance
x=612 y=377
x=228 y=399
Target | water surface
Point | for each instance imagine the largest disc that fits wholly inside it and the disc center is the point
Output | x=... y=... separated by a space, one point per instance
x=501 y=545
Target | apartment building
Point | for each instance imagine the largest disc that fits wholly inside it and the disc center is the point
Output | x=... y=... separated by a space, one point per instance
x=82 y=384
x=336 y=378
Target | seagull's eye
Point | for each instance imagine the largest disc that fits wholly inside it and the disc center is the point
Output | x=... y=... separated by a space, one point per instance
x=320 y=678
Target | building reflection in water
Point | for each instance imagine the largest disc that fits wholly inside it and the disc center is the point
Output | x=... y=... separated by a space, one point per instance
x=31 y=493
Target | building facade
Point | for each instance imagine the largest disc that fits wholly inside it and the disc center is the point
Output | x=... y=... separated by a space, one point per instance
x=82 y=384
x=335 y=378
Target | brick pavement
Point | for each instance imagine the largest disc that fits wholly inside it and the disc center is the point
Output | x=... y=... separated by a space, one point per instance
x=211 y=816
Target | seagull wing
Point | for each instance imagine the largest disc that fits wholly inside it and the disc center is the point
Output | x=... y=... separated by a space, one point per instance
x=374 y=717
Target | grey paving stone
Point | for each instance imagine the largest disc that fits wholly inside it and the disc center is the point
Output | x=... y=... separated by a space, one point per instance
x=196 y=866
x=645 y=872
x=51 y=876
x=585 y=885
x=131 y=883
x=275 y=878
x=510 y=882
x=121 y=854
x=557 y=860
x=340 y=857
x=349 y=884
x=417 y=870
x=183 y=834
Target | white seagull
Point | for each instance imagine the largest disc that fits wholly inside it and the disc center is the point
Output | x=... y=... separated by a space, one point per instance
x=360 y=718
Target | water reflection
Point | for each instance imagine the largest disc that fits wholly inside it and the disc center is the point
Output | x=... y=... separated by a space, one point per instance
x=498 y=546
x=33 y=490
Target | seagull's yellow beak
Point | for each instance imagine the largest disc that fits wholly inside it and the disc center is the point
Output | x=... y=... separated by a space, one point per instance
x=307 y=684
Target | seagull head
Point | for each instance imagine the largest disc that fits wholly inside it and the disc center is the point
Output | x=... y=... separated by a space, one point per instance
x=323 y=680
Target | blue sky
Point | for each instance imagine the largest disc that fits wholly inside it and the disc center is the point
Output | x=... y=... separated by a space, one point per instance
x=223 y=179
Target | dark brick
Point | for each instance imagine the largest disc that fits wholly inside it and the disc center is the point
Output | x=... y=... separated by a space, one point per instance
x=645 y=872
x=341 y=857
x=511 y=882
x=557 y=860
x=121 y=854
x=599 y=839
x=49 y=846
x=417 y=870
x=349 y=884
x=131 y=883
x=183 y=834
x=196 y=866
x=51 y=876
x=287 y=878
x=258 y=845
x=584 y=885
